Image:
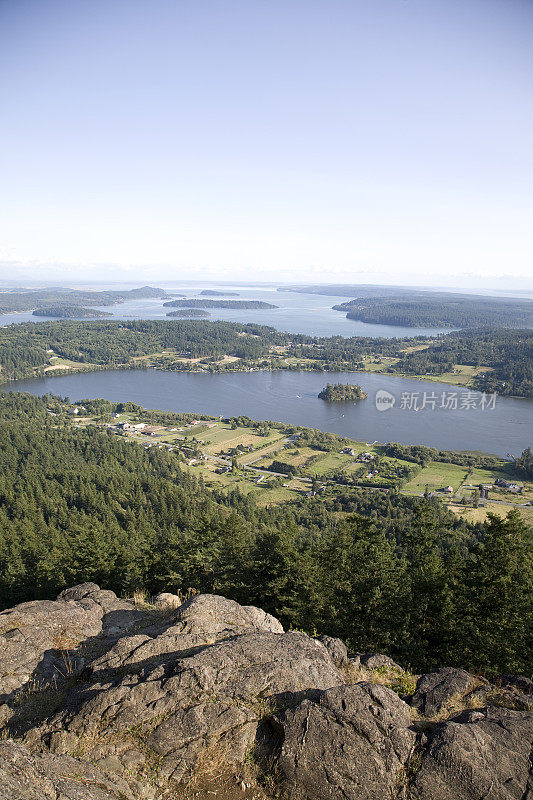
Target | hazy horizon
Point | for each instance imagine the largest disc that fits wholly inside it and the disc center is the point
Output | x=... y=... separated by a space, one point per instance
x=168 y=283
x=346 y=141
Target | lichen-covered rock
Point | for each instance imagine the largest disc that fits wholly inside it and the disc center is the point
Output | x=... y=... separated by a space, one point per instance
x=24 y=776
x=336 y=648
x=437 y=691
x=215 y=614
x=186 y=705
x=32 y=633
x=154 y=696
x=35 y=636
x=201 y=621
x=352 y=744
x=167 y=600
x=479 y=754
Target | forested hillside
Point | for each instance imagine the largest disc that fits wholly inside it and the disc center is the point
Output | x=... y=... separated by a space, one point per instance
x=26 y=350
x=116 y=343
x=385 y=572
x=445 y=311
x=28 y=299
x=507 y=354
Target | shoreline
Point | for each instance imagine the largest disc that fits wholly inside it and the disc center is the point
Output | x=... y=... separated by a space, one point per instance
x=61 y=372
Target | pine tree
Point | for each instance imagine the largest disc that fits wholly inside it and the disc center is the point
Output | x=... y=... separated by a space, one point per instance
x=497 y=602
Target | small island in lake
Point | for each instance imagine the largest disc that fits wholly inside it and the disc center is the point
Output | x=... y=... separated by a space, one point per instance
x=236 y=304
x=214 y=293
x=342 y=392
x=189 y=312
x=70 y=312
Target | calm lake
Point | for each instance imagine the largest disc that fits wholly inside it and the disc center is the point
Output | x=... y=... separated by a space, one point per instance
x=291 y=397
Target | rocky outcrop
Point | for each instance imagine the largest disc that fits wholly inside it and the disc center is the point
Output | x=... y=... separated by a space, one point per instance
x=336 y=648
x=104 y=699
x=46 y=776
x=479 y=754
x=352 y=743
x=438 y=691
x=213 y=699
x=37 y=637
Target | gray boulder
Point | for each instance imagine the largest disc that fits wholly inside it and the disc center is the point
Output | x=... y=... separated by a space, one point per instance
x=187 y=706
x=436 y=692
x=167 y=600
x=336 y=649
x=79 y=592
x=201 y=621
x=376 y=661
x=480 y=754
x=37 y=638
x=31 y=631
x=353 y=744
x=215 y=614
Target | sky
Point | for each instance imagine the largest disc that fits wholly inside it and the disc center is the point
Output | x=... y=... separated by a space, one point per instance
x=296 y=141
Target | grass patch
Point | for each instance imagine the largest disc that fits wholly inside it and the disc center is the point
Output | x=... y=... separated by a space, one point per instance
x=330 y=463
x=399 y=680
x=437 y=475
x=269 y=497
x=480 y=514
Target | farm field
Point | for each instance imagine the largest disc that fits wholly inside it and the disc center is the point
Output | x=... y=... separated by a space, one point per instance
x=296 y=457
x=215 y=437
x=486 y=476
x=58 y=362
x=480 y=514
x=222 y=437
x=268 y=497
x=437 y=475
x=462 y=374
x=262 y=449
x=330 y=463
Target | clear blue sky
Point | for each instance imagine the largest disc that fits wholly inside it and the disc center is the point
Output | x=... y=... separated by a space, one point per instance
x=364 y=140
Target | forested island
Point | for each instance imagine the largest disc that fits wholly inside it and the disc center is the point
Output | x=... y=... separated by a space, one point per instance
x=215 y=293
x=342 y=392
x=70 y=312
x=486 y=359
x=189 y=312
x=460 y=311
x=236 y=304
x=55 y=297
x=424 y=308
